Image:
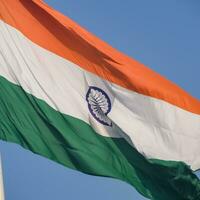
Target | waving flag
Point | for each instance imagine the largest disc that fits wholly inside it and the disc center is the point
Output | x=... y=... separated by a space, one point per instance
x=68 y=96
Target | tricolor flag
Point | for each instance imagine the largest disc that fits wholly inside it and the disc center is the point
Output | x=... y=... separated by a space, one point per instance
x=70 y=97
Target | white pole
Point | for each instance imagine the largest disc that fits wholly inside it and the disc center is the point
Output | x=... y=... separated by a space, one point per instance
x=1 y=181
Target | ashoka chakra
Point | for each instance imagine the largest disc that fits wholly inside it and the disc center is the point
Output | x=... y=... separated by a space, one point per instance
x=99 y=105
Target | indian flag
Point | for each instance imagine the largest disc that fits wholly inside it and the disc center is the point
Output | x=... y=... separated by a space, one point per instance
x=70 y=97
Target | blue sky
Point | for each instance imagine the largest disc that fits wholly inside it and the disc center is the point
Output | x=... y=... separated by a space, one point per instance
x=163 y=35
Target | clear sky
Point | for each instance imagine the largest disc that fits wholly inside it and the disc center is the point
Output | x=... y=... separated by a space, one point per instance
x=163 y=35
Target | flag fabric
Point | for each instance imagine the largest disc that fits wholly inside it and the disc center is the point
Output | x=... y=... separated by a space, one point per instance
x=70 y=97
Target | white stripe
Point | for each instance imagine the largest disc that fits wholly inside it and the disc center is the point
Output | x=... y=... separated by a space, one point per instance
x=156 y=128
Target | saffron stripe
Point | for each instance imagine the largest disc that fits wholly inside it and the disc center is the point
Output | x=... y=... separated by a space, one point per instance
x=67 y=39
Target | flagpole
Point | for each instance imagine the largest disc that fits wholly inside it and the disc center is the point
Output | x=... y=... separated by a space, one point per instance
x=1 y=181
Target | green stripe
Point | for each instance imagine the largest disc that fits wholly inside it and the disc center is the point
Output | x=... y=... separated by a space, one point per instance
x=36 y=126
